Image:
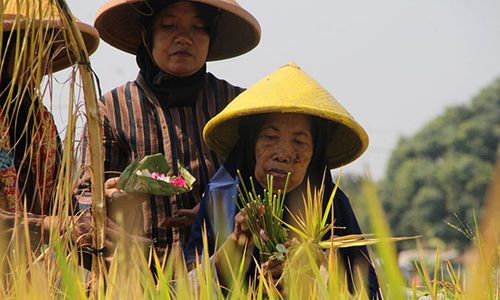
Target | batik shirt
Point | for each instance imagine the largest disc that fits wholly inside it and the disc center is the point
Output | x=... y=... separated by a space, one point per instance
x=31 y=174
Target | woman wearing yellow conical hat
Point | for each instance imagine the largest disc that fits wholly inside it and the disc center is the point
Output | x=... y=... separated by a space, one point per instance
x=284 y=123
x=166 y=107
x=33 y=45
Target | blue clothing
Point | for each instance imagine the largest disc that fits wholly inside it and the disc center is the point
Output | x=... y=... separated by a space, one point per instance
x=217 y=212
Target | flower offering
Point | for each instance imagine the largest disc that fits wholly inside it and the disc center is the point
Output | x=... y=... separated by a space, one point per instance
x=150 y=176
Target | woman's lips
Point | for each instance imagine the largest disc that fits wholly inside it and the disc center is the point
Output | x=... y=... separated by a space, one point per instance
x=279 y=173
x=182 y=53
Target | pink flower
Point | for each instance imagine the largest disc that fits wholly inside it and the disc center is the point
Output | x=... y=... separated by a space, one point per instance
x=178 y=182
x=157 y=175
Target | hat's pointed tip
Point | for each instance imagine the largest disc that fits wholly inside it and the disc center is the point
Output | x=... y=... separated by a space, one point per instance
x=292 y=65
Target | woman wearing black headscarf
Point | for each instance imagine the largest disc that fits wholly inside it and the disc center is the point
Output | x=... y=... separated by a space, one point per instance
x=284 y=123
x=166 y=107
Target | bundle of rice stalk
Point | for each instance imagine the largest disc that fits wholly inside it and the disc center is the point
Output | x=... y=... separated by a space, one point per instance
x=76 y=41
x=262 y=214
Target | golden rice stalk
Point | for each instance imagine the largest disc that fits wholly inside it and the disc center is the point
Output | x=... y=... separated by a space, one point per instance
x=95 y=139
x=31 y=42
x=390 y=276
x=483 y=261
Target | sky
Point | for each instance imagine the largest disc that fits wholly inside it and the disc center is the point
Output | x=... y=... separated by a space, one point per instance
x=393 y=64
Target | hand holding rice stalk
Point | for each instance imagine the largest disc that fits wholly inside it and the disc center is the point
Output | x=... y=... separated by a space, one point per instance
x=262 y=215
x=149 y=176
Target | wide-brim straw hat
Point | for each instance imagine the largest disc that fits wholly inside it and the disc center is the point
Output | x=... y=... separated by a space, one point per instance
x=46 y=17
x=236 y=32
x=289 y=90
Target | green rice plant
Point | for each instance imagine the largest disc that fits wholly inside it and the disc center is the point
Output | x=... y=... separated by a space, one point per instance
x=262 y=214
x=305 y=262
x=311 y=269
x=205 y=274
x=390 y=277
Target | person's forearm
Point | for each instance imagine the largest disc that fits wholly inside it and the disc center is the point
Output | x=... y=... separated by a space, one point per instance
x=13 y=222
x=229 y=257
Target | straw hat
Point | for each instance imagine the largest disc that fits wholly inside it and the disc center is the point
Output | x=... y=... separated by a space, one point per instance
x=237 y=31
x=289 y=90
x=20 y=17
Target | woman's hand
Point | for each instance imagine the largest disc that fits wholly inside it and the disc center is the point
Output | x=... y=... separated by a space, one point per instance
x=125 y=209
x=241 y=233
x=82 y=232
x=185 y=217
x=113 y=194
x=273 y=268
x=120 y=202
x=273 y=271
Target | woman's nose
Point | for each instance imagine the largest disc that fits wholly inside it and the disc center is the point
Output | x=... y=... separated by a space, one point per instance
x=284 y=153
x=183 y=36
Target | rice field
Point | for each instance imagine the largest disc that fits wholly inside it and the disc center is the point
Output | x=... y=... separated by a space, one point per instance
x=54 y=270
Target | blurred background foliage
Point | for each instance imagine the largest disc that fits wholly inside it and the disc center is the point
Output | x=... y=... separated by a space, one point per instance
x=436 y=180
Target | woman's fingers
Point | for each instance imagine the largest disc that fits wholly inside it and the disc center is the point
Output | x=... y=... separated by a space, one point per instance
x=241 y=231
x=179 y=222
x=274 y=267
x=110 y=187
x=112 y=182
x=189 y=212
x=240 y=224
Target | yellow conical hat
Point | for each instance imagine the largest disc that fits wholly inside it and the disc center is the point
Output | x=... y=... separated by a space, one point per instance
x=44 y=15
x=289 y=90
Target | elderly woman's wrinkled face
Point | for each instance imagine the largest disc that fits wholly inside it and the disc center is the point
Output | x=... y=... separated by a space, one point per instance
x=284 y=144
x=180 y=39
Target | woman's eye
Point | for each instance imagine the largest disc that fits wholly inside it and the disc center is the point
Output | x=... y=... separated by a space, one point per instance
x=300 y=142
x=268 y=137
x=200 y=27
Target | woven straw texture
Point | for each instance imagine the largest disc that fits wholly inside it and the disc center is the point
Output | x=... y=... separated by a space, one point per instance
x=46 y=17
x=237 y=31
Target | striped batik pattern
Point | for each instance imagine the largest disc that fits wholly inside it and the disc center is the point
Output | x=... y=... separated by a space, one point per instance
x=136 y=124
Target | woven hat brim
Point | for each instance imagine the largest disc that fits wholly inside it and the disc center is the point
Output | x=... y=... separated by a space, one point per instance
x=64 y=58
x=237 y=31
x=346 y=141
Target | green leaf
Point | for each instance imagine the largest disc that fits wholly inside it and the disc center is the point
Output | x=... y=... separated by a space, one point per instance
x=281 y=248
x=136 y=177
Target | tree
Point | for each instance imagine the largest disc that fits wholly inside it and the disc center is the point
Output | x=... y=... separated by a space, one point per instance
x=440 y=175
x=351 y=185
